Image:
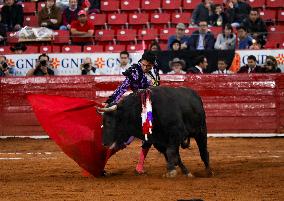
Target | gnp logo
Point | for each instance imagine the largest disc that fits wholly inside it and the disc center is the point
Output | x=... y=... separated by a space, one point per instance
x=100 y=62
x=10 y=62
x=55 y=62
x=280 y=58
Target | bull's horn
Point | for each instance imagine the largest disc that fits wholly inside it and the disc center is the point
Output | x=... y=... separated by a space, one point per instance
x=108 y=109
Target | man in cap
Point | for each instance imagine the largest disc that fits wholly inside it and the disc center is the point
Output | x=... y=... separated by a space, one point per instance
x=180 y=35
x=177 y=65
x=82 y=30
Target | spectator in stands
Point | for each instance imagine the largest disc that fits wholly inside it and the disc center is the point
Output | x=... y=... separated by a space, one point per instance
x=201 y=65
x=222 y=67
x=124 y=64
x=50 y=16
x=245 y=41
x=42 y=67
x=82 y=30
x=180 y=35
x=90 y=6
x=175 y=46
x=177 y=65
x=12 y=15
x=202 y=12
x=18 y=48
x=255 y=45
x=154 y=47
x=271 y=65
x=251 y=66
x=87 y=67
x=70 y=14
x=256 y=27
x=3 y=32
x=226 y=40
x=202 y=39
x=218 y=18
x=5 y=69
x=237 y=11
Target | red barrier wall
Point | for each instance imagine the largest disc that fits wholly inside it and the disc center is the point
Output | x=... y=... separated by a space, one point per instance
x=234 y=104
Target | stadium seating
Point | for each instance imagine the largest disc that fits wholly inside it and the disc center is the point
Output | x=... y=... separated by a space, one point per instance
x=215 y=30
x=126 y=35
x=138 y=18
x=110 y=5
x=61 y=37
x=114 y=48
x=135 y=48
x=98 y=19
x=31 y=21
x=129 y=5
x=149 y=5
x=93 y=48
x=257 y=3
x=274 y=3
x=280 y=16
x=181 y=18
x=166 y=33
x=5 y=50
x=117 y=19
x=171 y=4
x=160 y=19
x=40 y=5
x=268 y=15
x=275 y=37
x=147 y=34
x=190 y=4
x=11 y=38
x=71 y=49
x=29 y=7
x=31 y=49
x=104 y=35
x=49 y=49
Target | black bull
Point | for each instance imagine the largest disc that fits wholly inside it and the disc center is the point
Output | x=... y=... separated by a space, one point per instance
x=178 y=113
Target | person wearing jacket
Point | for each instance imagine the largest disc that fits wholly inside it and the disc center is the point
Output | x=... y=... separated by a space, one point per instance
x=202 y=39
x=12 y=15
x=50 y=16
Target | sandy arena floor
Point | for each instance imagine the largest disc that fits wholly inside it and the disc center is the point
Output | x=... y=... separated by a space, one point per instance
x=245 y=169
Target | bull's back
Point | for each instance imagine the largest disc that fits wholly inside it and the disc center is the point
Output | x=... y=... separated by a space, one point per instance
x=182 y=105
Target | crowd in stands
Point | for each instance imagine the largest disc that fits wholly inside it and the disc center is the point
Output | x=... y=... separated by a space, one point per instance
x=73 y=15
x=242 y=25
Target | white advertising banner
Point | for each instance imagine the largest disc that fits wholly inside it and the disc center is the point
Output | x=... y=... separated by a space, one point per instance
x=261 y=56
x=68 y=64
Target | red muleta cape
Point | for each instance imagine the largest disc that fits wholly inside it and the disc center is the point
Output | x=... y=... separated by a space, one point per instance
x=75 y=126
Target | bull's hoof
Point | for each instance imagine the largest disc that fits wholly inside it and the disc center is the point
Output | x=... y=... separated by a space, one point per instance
x=209 y=172
x=171 y=174
x=189 y=175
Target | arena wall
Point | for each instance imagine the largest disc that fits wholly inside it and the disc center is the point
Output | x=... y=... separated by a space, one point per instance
x=234 y=103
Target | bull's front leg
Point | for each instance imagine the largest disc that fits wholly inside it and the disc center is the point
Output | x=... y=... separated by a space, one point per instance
x=172 y=157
